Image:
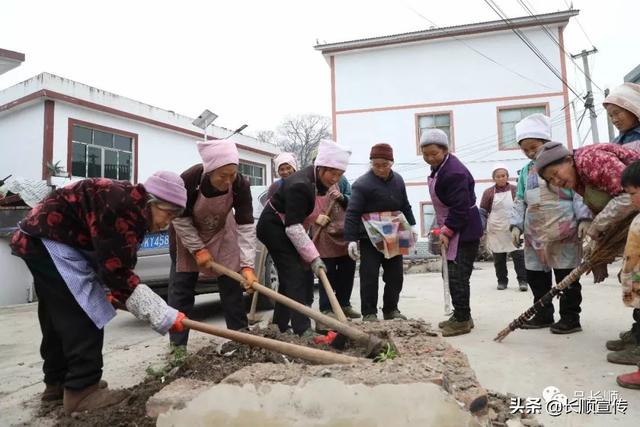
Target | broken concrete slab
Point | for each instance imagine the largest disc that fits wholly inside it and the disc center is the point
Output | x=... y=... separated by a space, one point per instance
x=175 y=395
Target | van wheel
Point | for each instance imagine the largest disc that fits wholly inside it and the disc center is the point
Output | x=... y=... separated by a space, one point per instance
x=271 y=281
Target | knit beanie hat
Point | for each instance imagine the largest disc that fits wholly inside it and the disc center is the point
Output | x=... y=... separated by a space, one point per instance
x=536 y=126
x=168 y=187
x=287 y=158
x=217 y=153
x=626 y=96
x=434 y=136
x=332 y=155
x=381 y=151
x=550 y=152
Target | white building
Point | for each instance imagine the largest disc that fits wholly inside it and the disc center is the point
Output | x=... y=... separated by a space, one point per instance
x=473 y=81
x=93 y=133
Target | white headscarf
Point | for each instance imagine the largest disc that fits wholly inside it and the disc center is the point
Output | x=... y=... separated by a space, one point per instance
x=332 y=155
x=536 y=126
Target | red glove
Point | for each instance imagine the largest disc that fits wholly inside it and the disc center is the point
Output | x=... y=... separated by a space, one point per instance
x=326 y=339
x=177 y=325
x=203 y=258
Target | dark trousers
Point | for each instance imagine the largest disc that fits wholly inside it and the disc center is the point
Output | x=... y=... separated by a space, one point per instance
x=635 y=328
x=459 y=276
x=340 y=272
x=393 y=275
x=500 y=263
x=182 y=296
x=294 y=276
x=71 y=344
x=570 y=299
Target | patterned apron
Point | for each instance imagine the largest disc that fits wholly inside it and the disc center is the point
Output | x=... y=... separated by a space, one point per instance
x=216 y=225
x=442 y=211
x=498 y=235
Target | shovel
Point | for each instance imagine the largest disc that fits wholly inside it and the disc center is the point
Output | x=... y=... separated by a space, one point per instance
x=445 y=281
x=335 y=305
x=293 y=350
x=254 y=300
x=371 y=343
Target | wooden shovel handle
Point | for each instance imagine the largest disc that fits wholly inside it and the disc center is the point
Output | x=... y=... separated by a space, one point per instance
x=293 y=350
x=332 y=203
x=335 y=305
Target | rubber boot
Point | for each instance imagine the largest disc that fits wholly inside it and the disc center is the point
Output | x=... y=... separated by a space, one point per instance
x=90 y=398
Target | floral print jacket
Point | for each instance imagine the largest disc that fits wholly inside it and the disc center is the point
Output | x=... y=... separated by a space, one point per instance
x=104 y=217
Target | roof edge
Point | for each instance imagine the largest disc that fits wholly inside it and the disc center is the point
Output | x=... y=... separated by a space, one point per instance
x=9 y=54
x=444 y=32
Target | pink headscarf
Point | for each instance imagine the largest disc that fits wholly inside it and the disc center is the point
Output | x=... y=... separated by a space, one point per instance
x=217 y=153
x=287 y=158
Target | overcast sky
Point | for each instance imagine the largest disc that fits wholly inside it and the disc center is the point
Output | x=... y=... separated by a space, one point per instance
x=252 y=61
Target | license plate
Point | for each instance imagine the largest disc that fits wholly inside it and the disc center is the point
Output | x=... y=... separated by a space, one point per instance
x=155 y=241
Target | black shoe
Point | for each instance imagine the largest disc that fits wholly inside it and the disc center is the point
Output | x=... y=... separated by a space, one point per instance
x=566 y=326
x=538 y=322
x=502 y=286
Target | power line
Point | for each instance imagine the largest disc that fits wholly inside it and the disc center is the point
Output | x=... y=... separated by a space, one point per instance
x=487 y=57
x=528 y=43
x=553 y=38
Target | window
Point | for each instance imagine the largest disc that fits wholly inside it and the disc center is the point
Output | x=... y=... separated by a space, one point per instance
x=507 y=119
x=254 y=172
x=439 y=120
x=99 y=154
x=428 y=215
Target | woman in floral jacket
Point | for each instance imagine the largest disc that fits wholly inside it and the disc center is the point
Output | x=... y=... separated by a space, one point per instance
x=77 y=241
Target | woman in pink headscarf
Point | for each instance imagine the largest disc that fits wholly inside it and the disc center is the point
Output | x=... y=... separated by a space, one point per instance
x=285 y=165
x=217 y=225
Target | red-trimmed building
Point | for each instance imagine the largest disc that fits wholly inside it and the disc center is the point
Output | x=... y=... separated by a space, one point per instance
x=474 y=81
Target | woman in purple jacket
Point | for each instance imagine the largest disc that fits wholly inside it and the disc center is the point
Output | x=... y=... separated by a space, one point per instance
x=451 y=187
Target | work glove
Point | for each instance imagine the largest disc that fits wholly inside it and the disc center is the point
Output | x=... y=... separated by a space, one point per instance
x=203 y=258
x=177 y=325
x=354 y=252
x=317 y=265
x=588 y=246
x=323 y=220
x=250 y=278
x=583 y=229
x=515 y=236
x=146 y=305
x=334 y=193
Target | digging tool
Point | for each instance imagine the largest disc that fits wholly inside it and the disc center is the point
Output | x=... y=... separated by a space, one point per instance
x=328 y=289
x=310 y=354
x=605 y=253
x=445 y=281
x=372 y=343
x=254 y=300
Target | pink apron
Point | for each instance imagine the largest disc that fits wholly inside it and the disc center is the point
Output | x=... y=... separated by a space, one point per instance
x=216 y=225
x=442 y=211
x=330 y=243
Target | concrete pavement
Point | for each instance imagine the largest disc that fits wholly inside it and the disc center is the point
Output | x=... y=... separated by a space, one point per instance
x=524 y=364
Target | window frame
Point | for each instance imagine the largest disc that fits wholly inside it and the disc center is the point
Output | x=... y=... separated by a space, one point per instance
x=452 y=139
x=423 y=227
x=94 y=126
x=252 y=163
x=500 y=108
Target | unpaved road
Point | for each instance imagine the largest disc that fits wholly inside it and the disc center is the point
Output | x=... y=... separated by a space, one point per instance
x=524 y=364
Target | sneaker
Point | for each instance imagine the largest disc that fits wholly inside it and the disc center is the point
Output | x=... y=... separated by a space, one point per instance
x=370 y=318
x=538 y=322
x=523 y=286
x=309 y=333
x=456 y=327
x=628 y=356
x=627 y=339
x=564 y=326
x=394 y=314
x=502 y=286
x=350 y=312
x=631 y=380
x=452 y=319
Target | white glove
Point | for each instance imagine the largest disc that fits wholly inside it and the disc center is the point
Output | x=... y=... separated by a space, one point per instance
x=588 y=246
x=515 y=236
x=583 y=228
x=317 y=265
x=146 y=305
x=323 y=220
x=353 y=251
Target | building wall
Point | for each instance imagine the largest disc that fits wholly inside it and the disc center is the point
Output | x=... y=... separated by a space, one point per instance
x=21 y=136
x=379 y=92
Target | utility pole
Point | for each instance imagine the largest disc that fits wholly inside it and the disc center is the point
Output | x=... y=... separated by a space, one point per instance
x=588 y=99
x=612 y=135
